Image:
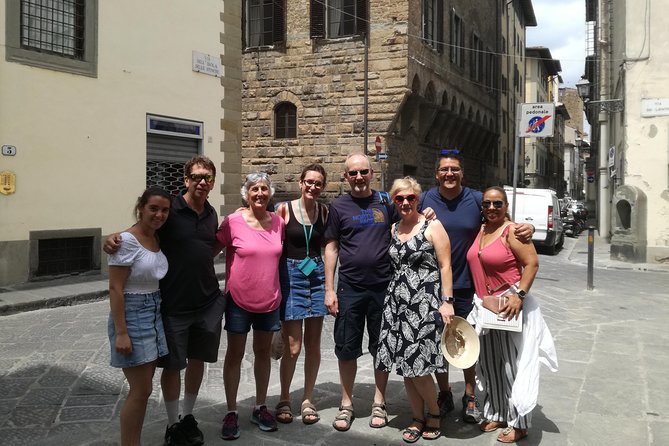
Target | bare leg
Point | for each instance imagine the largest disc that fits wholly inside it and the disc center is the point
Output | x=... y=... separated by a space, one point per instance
x=470 y=380
x=313 y=327
x=140 y=380
x=262 y=364
x=347 y=372
x=292 y=346
x=232 y=367
x=193 y=377
x=424 y=386
x=442 y=381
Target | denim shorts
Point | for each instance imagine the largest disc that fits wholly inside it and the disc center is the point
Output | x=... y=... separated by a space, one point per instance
x=302 y=296
x=145 y=328
x=239 y=321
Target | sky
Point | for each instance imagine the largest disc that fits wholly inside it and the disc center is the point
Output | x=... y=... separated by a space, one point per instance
x=561 y=29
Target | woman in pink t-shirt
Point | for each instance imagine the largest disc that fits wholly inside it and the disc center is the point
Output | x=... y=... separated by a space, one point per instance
x=253 y=240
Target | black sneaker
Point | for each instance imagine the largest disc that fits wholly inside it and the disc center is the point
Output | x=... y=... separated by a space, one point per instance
x=264 y=419
x=175 y=436
x=445 y=402
x=470 y=411
x=189 y=427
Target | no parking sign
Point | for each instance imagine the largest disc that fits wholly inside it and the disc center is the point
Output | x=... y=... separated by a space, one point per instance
x=536 y=120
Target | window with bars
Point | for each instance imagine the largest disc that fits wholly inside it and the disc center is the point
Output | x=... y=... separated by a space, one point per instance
x=333 y=19
x=285 y=121
x=56 y=27
x=54 y=34
x=264 y=23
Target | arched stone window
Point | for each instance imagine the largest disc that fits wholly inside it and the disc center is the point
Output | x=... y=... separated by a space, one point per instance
x=285 y=121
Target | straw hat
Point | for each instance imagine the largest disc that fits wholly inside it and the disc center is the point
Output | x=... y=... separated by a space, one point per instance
x=460 y=343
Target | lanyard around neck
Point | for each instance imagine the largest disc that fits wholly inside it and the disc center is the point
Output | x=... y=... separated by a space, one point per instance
x=304 y=228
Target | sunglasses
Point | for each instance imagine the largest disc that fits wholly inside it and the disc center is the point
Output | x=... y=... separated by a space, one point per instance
x=354 y=173
x=497 y=204
x=197 y=177
x=313 y=183
x=399 y=199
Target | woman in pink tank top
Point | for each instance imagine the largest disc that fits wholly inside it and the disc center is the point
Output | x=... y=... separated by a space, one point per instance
x=496 y=260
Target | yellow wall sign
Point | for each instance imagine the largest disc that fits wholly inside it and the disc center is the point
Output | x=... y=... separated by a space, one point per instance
x=7 y=182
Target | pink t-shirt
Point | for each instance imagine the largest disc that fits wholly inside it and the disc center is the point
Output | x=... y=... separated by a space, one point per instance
x=501 y=266
x=252 y=262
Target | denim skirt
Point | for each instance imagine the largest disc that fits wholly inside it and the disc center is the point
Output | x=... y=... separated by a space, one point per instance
x=145 y=328
x=302 y=296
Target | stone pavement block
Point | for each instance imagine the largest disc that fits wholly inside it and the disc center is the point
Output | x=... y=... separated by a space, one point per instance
x=658 y=403
x=91 y=400
x=6 y=406
x=27 y=416
x=98 y=380
x=14 y=387
x=45 y=357
x=78 y=355
x=22 y=437
x=596 y=429
x=571 y=369
x=608 y=397
x=77 y=433
x=67 y=368
x=562 y=408
x=659 y=433
x=49 y=380
x=102 y=413
x=555 y=385
x=44 y=397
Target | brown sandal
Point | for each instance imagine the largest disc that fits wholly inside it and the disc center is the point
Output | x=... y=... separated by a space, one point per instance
x=346 y=415
x=284 y=414
x=491 y=426
x=512 y=435
x=309 y=413
x=378 y=411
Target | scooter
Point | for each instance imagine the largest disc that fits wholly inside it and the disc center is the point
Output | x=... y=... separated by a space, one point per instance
x=570 y=225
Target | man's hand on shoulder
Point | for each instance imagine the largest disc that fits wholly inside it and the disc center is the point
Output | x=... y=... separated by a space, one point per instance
x=112 y=243
x=524 y=232
x=429 y=213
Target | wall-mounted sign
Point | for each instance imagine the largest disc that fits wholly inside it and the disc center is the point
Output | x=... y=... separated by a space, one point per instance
x=654 y=107
x=207 y=64
x=536 y=119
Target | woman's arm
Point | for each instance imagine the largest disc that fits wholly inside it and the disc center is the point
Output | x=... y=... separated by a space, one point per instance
x=118 y=275
x=437 y=235
x=526 y=255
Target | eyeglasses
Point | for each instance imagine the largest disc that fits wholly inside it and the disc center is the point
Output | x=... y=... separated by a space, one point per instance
x=449 y=152
x=354 y=173
x=399 y=199
x=449 y=168
x=313 y=183
x=497 y=204
x=197 y=177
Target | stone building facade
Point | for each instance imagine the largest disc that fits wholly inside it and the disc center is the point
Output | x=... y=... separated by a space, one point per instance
x=432 y=84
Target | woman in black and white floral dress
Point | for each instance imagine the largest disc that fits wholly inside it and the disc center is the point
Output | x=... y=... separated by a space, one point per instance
x=409 y=341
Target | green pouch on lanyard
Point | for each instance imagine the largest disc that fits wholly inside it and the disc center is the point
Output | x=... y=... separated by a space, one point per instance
x=307 y=266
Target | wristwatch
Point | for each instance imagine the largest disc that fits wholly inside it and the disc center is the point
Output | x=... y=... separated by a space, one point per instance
x=448 y=299
x=521 y=294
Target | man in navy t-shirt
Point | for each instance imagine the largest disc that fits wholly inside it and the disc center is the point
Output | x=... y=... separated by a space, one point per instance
x=458 y=208
x=358 y=234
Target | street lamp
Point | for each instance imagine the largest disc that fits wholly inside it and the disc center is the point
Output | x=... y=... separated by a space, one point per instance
x=608 y=105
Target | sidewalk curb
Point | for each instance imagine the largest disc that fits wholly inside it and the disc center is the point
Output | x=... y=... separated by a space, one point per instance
x=53 y=302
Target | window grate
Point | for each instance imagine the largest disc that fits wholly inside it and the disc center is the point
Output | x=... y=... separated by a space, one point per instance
x=167 y=175
x=53 y=26
x=65 y=256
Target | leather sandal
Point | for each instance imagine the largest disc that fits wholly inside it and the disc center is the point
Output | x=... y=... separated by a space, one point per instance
x=346 y=415
x=309 y=413
x=429 y=432
x=411 y=434
x=491 y=426
x=283 y=414
x=378 y=411
x=512 y=435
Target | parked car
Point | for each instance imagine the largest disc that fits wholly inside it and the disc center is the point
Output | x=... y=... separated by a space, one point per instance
x=541 y=208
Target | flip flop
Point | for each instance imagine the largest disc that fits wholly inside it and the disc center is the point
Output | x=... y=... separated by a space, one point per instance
x=283 y=412
x=346 y=415
x=309 y=413
x=378 y=411
x=512 y=435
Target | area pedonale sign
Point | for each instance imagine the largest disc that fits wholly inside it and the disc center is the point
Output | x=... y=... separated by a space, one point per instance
x=536 y=120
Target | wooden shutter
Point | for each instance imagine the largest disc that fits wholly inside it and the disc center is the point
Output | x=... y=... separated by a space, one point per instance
x=279 y=21
x=361 y=20
x=317 y=19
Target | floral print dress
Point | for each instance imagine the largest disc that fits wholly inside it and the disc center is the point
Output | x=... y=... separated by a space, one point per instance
x=410 y=338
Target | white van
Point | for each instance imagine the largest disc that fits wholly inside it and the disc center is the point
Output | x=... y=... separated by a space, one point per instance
x=540 y=208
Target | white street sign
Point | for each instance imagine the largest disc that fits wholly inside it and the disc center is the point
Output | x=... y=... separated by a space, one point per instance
x=536 y=120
